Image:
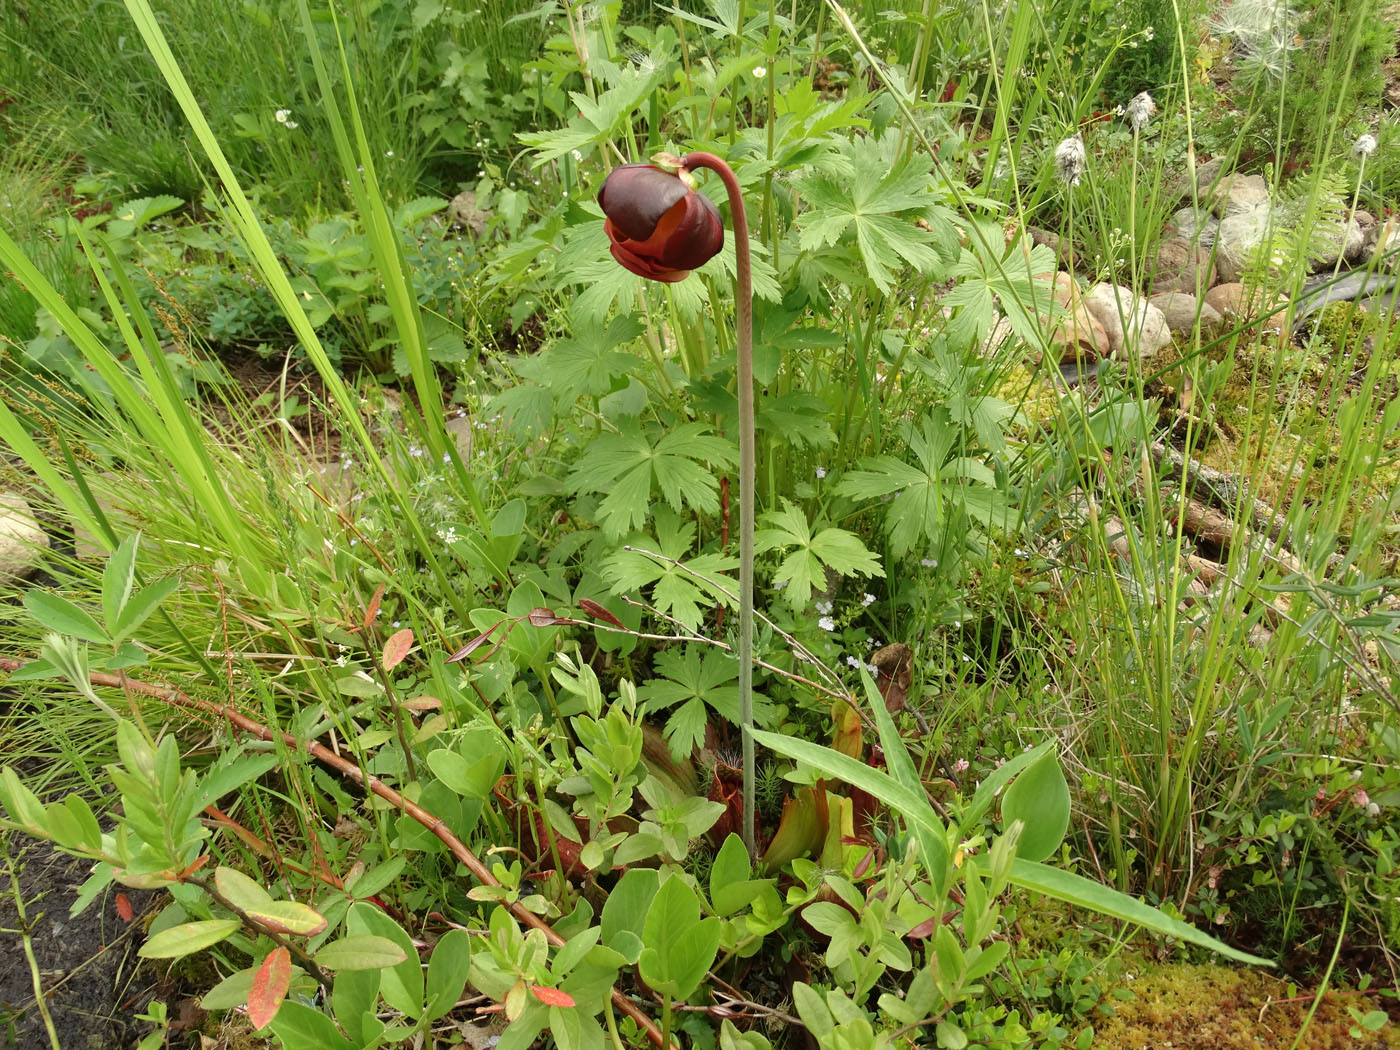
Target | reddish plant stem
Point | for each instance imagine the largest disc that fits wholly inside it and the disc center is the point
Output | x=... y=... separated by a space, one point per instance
x=743 y=340
x=321 y=753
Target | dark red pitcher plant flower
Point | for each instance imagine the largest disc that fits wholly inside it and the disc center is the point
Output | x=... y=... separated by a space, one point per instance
x=657 y=225
x=660 y=228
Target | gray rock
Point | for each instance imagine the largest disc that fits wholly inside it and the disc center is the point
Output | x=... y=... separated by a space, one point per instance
x=1181 y=267
x=1194 y=226
x=21 y=538
x=1132 y=324
x=1207 y=173
x=1061 y=246
x=1240 y=235
x=1333 y=241
x=1180 y=309
x=1237 y=305
x=463 y=213
x=1238 y=193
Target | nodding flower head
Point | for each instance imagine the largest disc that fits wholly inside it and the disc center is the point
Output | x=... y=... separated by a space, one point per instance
x=1140 y=110
x=1071 y=160
x=1364 y=146
x=657 y=225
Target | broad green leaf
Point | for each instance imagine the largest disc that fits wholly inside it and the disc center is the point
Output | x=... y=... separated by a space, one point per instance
x=117 y=578
x=912 y=806
x=232 y=991
x=229 y=772
x=677 y=945
x=240 y=890
x=291 y=917
x=59 y=614
x=401 y=985
x=370 y=882
x=1039 y=798
x=307 y=1029
x=144 y=603
x=625 y=912
x=448 y=970
x=188 y=938
x=361 y=952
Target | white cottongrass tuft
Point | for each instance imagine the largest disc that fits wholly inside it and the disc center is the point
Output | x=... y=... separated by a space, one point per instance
x=1364 y=146
x=1140 y=110
x=1262 y=31
x=1071 y=160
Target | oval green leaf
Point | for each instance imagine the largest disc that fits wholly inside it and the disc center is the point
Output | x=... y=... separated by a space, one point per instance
x=360 y=952
x=1039 y=798
x=288 y=917
x=188 y=938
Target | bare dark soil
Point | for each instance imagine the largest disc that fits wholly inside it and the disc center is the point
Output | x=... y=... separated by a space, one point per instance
x=87 y=966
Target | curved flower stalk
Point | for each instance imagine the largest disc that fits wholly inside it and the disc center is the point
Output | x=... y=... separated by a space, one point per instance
x=658 y=227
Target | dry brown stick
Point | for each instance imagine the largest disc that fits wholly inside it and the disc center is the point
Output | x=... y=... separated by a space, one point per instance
x=458 y=848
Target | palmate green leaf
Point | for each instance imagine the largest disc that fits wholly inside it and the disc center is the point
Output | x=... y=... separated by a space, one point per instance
x=696 y=679
x=806 y=566
x=626 y=464
x=800 y=419
x=586 y=364
x=924 y=494
x=879 y=205
x=684 y=591
x=598 y=119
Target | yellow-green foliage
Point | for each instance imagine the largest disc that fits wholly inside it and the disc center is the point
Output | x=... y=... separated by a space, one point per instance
x=1214 y=1008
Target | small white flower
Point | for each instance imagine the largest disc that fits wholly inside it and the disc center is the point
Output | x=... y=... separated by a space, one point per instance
x=388 y=153
x=282 y=115
x=760 y=71
x=823 y=607
x=929 y=563
x=1140 y=110
x=821 y=473
x=826 y=623
x=290 y=123
x=868 y=600
x=1071 y=160
x=1365 y=146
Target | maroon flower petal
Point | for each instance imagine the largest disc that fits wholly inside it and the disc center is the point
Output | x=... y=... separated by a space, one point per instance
x=636 y=196
x=698 y=235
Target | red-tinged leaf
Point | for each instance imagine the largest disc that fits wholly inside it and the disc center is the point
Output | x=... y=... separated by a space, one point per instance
x=846 y=738
x=475 y=644
x=551 y=996
x=372 y=610
x=396 y=648
x=599 y=612
x=421 y=703
x=270 y=986
x=124 y=909
x=544 y=618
